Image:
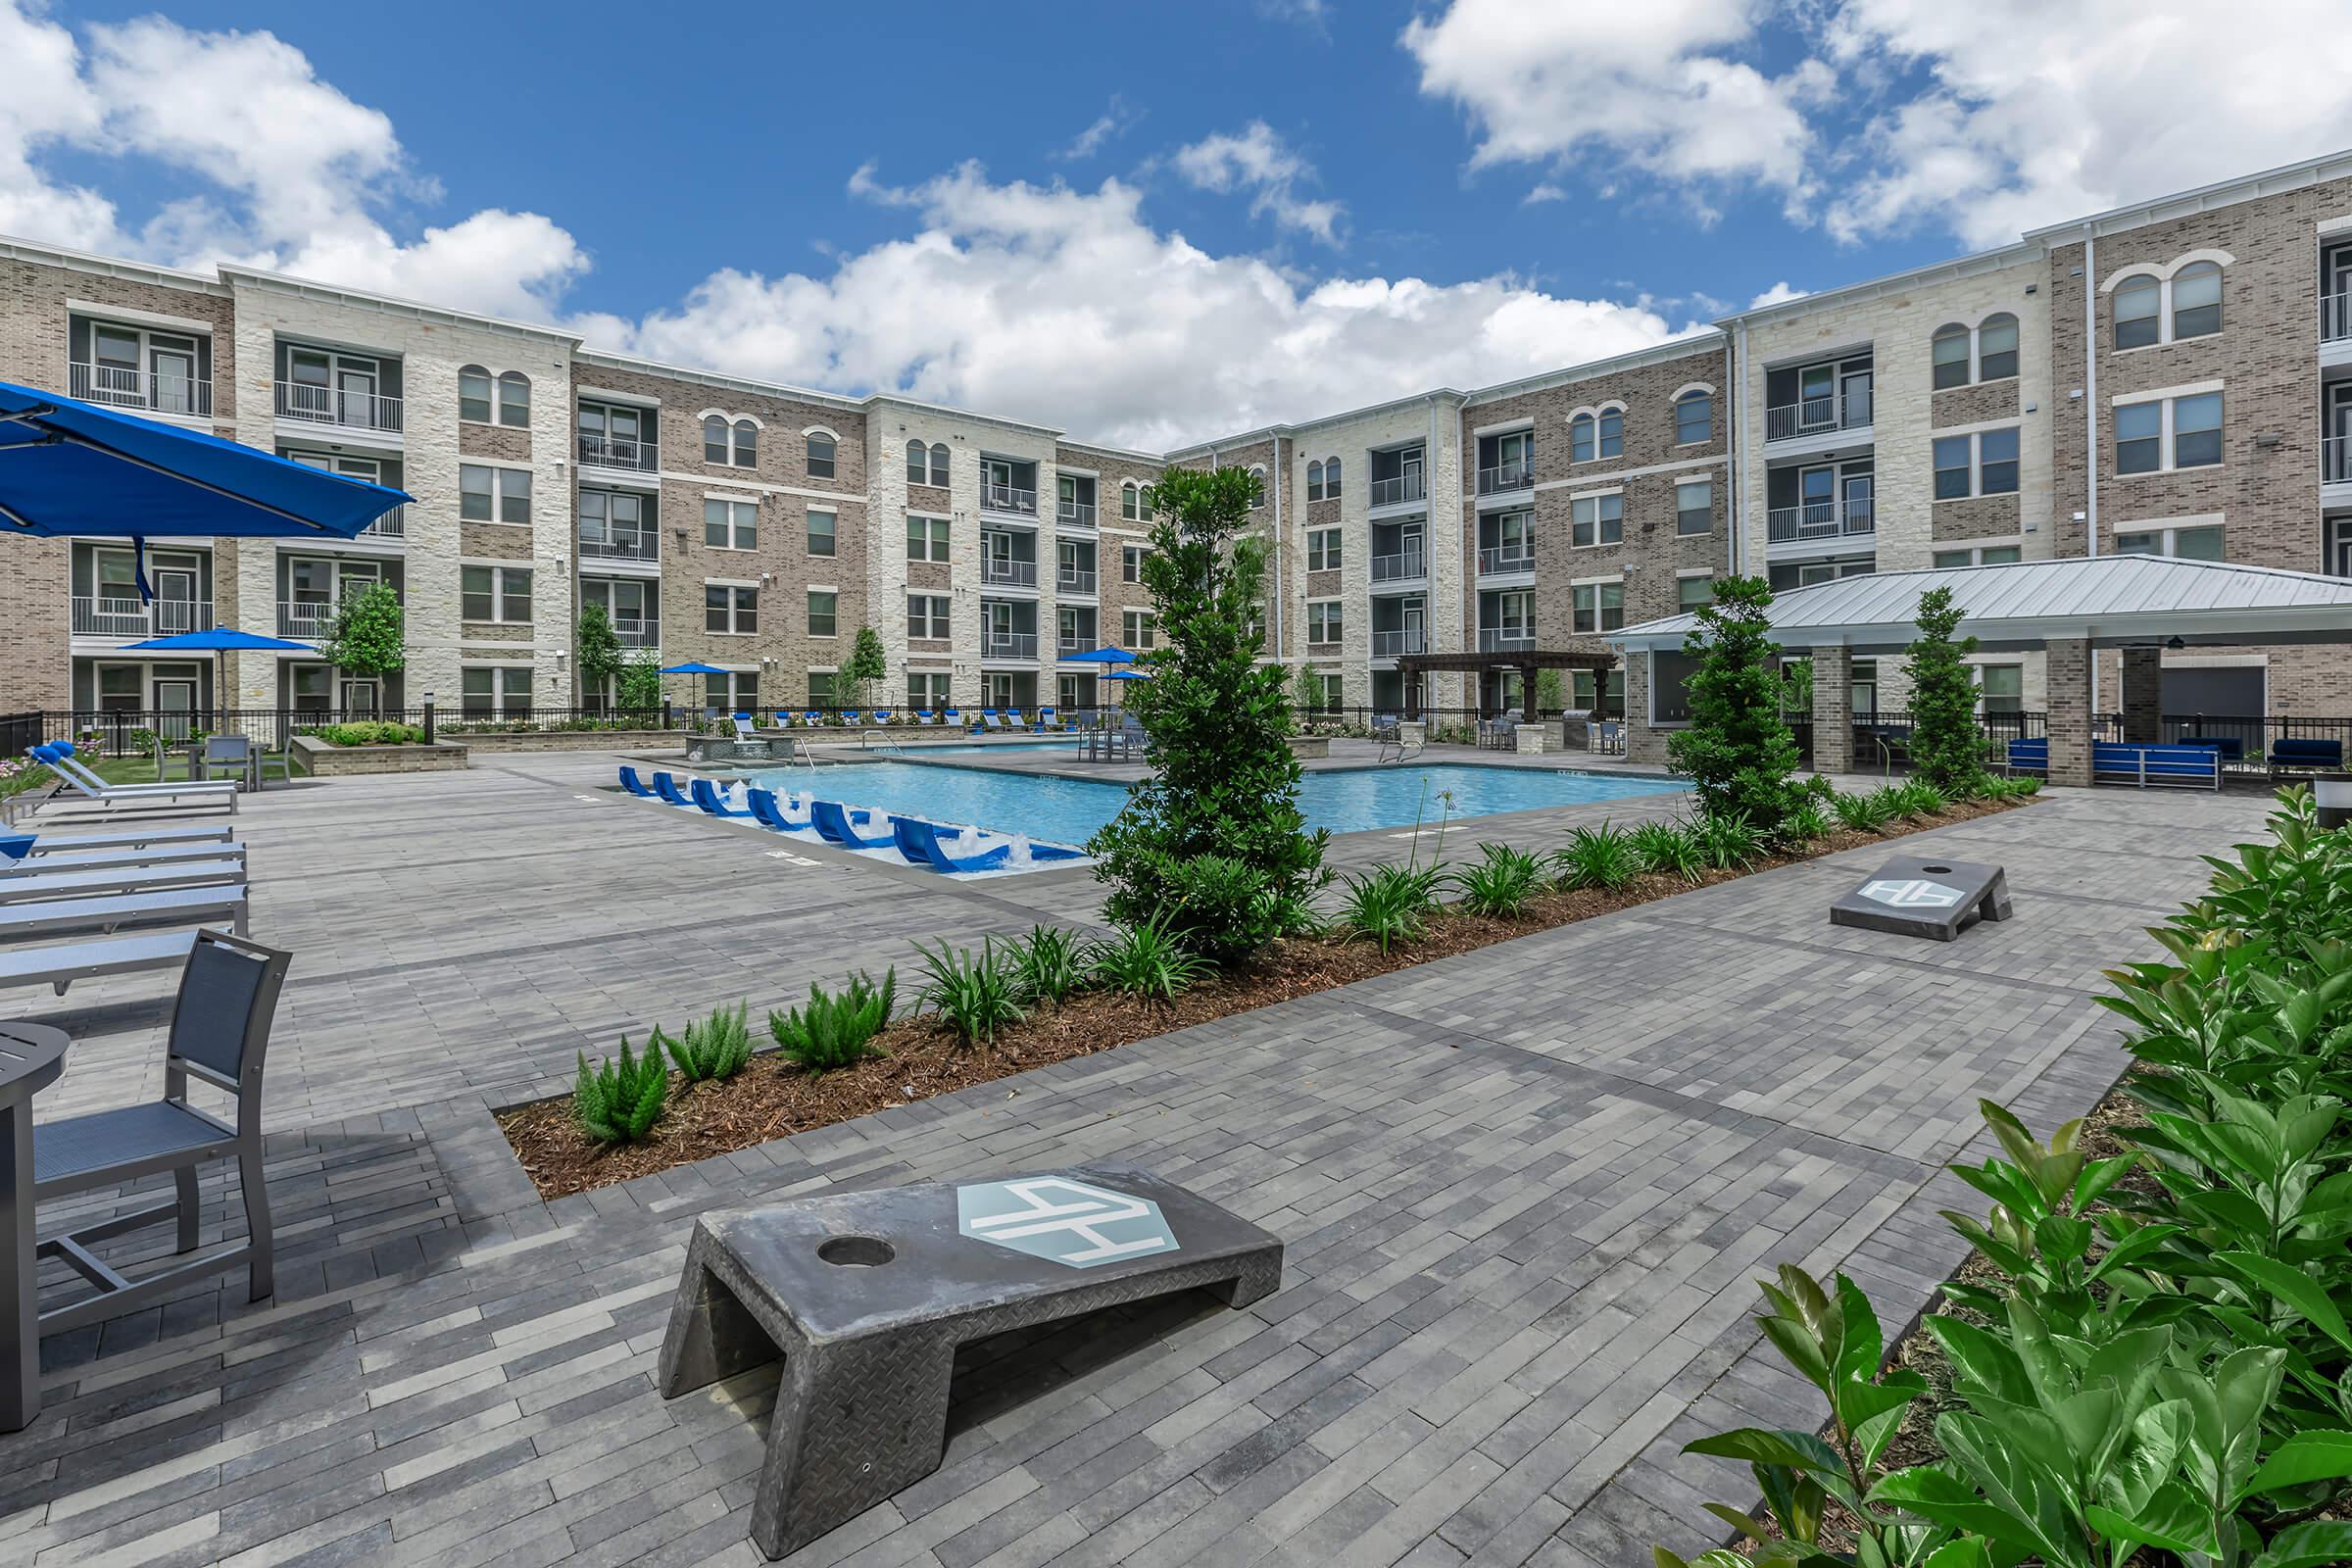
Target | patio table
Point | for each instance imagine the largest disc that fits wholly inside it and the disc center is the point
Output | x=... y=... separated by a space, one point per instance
x=31 y=1056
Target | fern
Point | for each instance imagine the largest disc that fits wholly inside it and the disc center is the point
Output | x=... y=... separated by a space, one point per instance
x=836 y=1029
x=716 y=1048
x=619 y=1101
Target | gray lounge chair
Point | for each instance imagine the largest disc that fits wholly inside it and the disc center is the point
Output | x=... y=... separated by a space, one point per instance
x=61 y=760
x=73 y=917
x=59 y=965
x=131 y=835
x=219 y=1034
x=24 y=887
x=154 y=855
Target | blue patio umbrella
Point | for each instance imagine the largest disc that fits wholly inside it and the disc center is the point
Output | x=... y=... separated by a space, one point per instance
x=217 y=641
x=694 y=668
x=72 y=467
x=1127 y=675
x=1101 y=656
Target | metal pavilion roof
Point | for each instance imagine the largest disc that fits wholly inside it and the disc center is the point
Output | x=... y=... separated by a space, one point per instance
x=2107 y=600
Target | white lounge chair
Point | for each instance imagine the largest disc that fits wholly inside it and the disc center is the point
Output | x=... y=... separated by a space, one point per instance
x=59 y=757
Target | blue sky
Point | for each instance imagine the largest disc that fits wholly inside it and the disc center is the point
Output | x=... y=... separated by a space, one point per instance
x=1283 y=206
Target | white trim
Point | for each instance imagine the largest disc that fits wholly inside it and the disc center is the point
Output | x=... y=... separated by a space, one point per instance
x=1603 y=490
x=1617 y=577
x=2195 y=519
x=731 y=582
x=822 y=588
x=2172 y=661
x=1683 y=392
x=1596 y=409
x=2338 y=225
x=2187 y=389
x=823 y=430
x=733 y=420
x=733 y=498
x=1620 y=475
x=2011 y=422
x=130 y=318
x=1525 y=423
x=2166 y=272
x=1681 y=572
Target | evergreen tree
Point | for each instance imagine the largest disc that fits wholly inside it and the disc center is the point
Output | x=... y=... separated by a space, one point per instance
x=596 y=650
x=1739 y=750
x=1947 y=744
x=641 y=682
x=866 y=665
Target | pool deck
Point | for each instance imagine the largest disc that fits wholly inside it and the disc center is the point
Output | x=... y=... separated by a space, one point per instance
x=1525 y=1192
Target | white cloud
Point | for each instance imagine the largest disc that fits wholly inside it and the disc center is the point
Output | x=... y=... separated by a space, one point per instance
x=1546 y=192
x=1780 y=293
x=1113 y=122
x=1258 y=160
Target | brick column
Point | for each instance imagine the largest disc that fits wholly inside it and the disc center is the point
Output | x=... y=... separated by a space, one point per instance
x=1832 y=711
x=2143 y=696
x=2070 y=712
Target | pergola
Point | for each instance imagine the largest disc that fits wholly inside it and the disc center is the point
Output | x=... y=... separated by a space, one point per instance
x=2141 y=605
x=1526 y=661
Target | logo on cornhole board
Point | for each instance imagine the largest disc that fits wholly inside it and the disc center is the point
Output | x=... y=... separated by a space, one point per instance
x=1070 y=1222
x=1918 y=893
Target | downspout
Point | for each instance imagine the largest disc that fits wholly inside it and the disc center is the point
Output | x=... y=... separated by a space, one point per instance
x=1429 y=460
x=1735 y=419
x=2090 y=431
x=1274 y=478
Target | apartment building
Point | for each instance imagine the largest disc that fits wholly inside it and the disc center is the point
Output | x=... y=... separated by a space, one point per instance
x=2175 y=376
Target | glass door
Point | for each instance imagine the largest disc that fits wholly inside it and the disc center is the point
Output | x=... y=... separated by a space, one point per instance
x=176 y=706
x=175 y=600
x=1855 y=387
x=114 y=367
x=354 y=394
x=171 y=361
x=360 y=697
x=308 y=376
x=1817 y=501
x=1817 y=397
x=1857 y=498
x=2335 y=450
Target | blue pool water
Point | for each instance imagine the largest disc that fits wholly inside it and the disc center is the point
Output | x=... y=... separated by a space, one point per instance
x=1068 y=810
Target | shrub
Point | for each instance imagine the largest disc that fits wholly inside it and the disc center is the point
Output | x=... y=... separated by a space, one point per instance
x=1669 y=849
x=837 y=1028
x=1947 y=743
x=1601 y=857
x=1739 y=750
x=619 y=1101
x=1150 y=959
x=370 y=732
x=1730 y=843
x=715 y=1048
x=976 y=995
x=1807 y=820
x=1389 y=903
x=1919 y=799
x=1224 y=908
x=1866 y=813
x=365 y=638
x=1051 y=963
x=1500 y=883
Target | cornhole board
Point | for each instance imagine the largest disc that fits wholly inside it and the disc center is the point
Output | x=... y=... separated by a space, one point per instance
x=1934 y=899
x=867 y=1296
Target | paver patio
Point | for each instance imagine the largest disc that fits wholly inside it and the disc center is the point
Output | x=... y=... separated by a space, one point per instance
x=1524 y=1192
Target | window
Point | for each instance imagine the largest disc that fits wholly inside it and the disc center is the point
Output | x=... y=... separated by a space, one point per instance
x=1693 y=418
x=820 y=533
x=926 y=538
x=1314 y=481
x=1579 y=690
x=1257 y=472
x=1598 y=606
x=821 y=610
x=1579 y=438
x=1596 y=520
x=2139 y=437
x=1996 y=463
x=1330 y=480
x=1951 y=467
x=2199 y=542
x=714 y=438
x=492 y=691
x=1130 y=504
x=730 y=608
x=1694 y=506
x=1612 y=432
x=730 y=525
x=1981 y=464
x=494 y=494
x=1949 y=352
x=820 y=688
x=2197 y=300
x=927 y=690
x=1981 y=556
x=820 y=454
x=926 y=615
x=1692 y=592
x=1323 y=622
x=2136 y=300
x=1996 y=348
x=732 y=692
x=473 y=394
x=1131 y=563
x=495 y=593
x=2197 y=430
x=1322 y=550
x=514 y=399
x=2001 y=688
x=1136 y=628
x=2188 y=430
x=1329 y=692
x=746 y=444
x=918 y=462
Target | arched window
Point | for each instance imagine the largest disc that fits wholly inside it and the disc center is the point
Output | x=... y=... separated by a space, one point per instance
x=1612 y=432
x=714 y=438
x=918 y=470
x=1144 y=500
x=1996 y=348
x=820 y=454
x=939 y=464
x=746 y=444
x=1949 y=352
x=1130 y=502
x=1331 y=479
x=514 y=399
x=1693 y=418
x=473 y=394
x=1579 y=438
x=2197 y=300
x=1258 y=472
x=2136 y=312
x=1314 y=481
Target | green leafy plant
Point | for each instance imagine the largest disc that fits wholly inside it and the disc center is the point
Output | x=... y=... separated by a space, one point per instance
x=1050 y=962
x=976 y=995
x=865 y=666
x=365 y=638
x=1947 y=743
x=1808 y=820
x=1738 y=750
x=1669 y=849
x=1148 y=959
x=1223 y=907
x=640 y=686
x=370 y=732
x=618 y=1100
x=595 y=649
x=1500 y=882
x=1730 y=843
x=1389 y=903
x=1601 y=857
x=1919 y=799
x=1866 y=813
x=837 y=1028
x=712 y=1047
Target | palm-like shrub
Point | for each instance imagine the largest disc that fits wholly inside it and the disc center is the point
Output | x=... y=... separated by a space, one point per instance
x=1051 y=962
x=1669 y=849
x=1500 y=883
x=714 y=1047
x=1151 y=961
x=1865 y=813
x=617 y=1101
x=1919 y=799
x=1806 y=822
x=1389 y=903
x=836 y=1028
x=1730 y=841
x=1601 y=857
x=976 y=995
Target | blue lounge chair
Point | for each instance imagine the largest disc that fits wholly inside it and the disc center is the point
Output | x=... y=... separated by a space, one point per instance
x=953 y=718
x=707 y=796
x=991 y=719
x=919 y=843
x=853 y=718
x=634 y=785
x=667 y=788
x=882 y=715
x=924 y=716
x=1014 y=722
x=1046 y=720
x=769 y=812
x=58 y=756
x=1054 y=851
x=812 y=718
x=832 y=820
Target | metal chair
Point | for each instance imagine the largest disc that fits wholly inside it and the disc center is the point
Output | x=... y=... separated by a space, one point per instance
x=232 y=755
x=220 y=1034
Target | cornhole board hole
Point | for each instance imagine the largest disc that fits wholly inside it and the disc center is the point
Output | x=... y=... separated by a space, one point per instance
x=1925 y=898
x=867 y=1296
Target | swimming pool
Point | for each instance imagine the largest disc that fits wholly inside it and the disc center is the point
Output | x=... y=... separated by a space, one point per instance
x=1026 y=744
x=1068 y=810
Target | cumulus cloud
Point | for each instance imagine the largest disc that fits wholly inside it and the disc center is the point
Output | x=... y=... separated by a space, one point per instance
x=1259 y=162
x=1780 y=293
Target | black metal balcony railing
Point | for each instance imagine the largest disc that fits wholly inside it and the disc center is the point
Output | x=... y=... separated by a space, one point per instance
x=126 y=386
x=1850 y=410
x=1503 y=477
x=1501 y=559
x=1819 y=520
x=338 y=406
x=133 y=619
x=621 y=451
x=1403 y=566
x=1005 y=570
x=1008 y=497
x=1398 y=491
x=643 y=544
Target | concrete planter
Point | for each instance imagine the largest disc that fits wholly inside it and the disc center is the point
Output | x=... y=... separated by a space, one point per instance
x=567 y=740
x=1306 y=747
x=322 y=761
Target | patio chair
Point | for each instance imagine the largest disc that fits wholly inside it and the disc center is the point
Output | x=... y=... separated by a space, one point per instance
x=770 y=811
x=924 y=716
x=634 y=785
x=919 y=843
x=219 y=1034
x=59 y=758
x=1014 y=721
x=129 y=836
x=41 y=886
x=233 y=756
x=951 y=718
x=1046 y=721
x=743 y=727
x=854 y=719
x=278 y=758
x=705 y=795
x=990 y=720
x=154 y=857
x=832 y=820
x=811 y=718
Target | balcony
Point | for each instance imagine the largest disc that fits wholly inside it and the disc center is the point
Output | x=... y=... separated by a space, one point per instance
x=1071 y=580
x=1505 y=639
x=126 y=386
x=1504 y=477
x=637 y=631
x=332 y=406
x=1388 y=643
x=643 y=545
x=1004 y=572
x=1820 y=416
x=1075 y=514
x=1008 y=645
x=1504 y=560
x=1069 y=646
x=304 y=619
x=1008 y=497
x=2336 y=459
x=1398 y=491
x=134 y=619
x=621 y=451
x=1818 y=520
x=393 y=524
x=1404 y=567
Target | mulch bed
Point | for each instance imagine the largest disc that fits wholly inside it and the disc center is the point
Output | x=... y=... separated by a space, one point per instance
x=767 y=1100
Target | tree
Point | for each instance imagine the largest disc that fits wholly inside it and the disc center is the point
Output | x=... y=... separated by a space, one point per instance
x=1739 y=750
x=1214 y=832
x=1307 y=694
x=597 y=653
x=367 y=638
x=1947 y=745
x=641 y=682
x=865 y=664
x=1551 y=691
